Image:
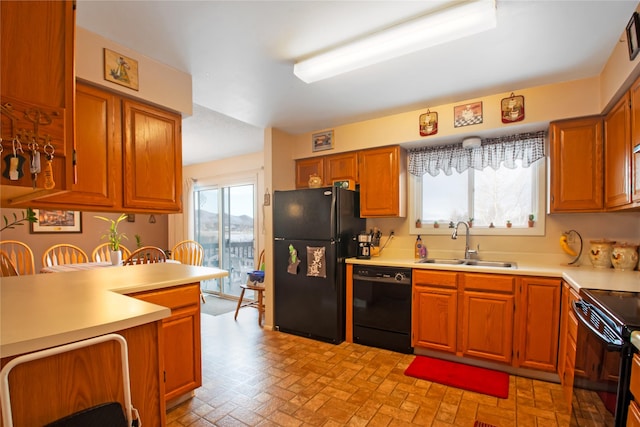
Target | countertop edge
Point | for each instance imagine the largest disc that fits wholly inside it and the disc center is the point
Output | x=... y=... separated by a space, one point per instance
x=35 y=315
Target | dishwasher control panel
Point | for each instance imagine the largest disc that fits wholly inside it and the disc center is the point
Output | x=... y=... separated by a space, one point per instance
x=382 y=274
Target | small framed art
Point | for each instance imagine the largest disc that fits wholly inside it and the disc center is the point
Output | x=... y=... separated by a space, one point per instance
x=633 y=36
x=322 y=141
x=120 y=69
x=467 y=114
x=428 y=123
x=57 y=221
x=512 y=109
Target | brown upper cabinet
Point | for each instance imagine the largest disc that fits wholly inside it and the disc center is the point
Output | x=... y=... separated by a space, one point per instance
x=382 y=173
x=576 y=157
x=307 y=167
x=634 y=95
x=341 y=166
x=37 y=87
x=617 y=155
x=152 y=152
x=328 y=168
x=128 y=156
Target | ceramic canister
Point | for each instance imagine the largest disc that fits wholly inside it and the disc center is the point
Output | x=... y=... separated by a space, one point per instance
x=600 y=253
x=624 y=256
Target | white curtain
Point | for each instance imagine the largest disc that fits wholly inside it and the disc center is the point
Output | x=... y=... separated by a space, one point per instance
x=181 y=226
x=493 y=152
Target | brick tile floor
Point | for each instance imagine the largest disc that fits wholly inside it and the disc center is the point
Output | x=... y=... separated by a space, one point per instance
x=256 y=377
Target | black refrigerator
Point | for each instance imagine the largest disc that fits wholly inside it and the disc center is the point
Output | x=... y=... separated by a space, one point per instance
x=314 y=231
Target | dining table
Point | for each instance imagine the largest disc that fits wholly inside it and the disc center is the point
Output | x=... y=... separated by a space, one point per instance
x=87 y=266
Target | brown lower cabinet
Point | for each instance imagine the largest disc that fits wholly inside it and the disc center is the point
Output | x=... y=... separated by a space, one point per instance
x=633 y=417
x=180 y=341
x=496 y=317
x=48 y=389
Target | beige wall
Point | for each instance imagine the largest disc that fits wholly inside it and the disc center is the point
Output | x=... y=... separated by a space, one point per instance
x=542 y=105
x=92 y=230
x=159 y=83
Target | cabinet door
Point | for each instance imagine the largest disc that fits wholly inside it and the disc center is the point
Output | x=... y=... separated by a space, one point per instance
x=37 y=82
x=152 y=158
x=382 y=176
x=434 y=318
x=307 y=167
x=98 y=165
x=634 y=94
x=340 y=166
x=487 y=326
x=576 y=176
x=181 y=337
x=539 y=322
x=181 y=342
x=617 y=155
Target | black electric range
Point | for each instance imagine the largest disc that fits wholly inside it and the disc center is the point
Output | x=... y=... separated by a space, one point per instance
x=619 y=309
x=611 y=316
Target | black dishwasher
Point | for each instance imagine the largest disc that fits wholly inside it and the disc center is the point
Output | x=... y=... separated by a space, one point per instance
x=382 y=307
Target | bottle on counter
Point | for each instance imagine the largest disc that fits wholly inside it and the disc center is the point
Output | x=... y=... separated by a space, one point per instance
x=419 y=247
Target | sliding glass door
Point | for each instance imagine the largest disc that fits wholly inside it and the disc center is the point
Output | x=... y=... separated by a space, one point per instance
x=225 y=227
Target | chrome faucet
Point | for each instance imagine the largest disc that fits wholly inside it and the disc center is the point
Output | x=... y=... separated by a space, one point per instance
x=467 y=252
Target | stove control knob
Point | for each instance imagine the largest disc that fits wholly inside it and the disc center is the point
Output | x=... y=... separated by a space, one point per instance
x=399 y=277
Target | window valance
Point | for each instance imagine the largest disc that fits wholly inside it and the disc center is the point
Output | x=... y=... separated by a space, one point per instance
x=493 y=152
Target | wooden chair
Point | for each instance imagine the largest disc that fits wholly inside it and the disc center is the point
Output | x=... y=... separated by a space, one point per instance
x=189 y=252
x=20 y=255
x=102 y=253
x=6 y=266
x=62 y=254
x=146 y=255
x=258 y=288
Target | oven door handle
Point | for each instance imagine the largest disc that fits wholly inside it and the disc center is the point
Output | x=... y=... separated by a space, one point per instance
x=612 y=345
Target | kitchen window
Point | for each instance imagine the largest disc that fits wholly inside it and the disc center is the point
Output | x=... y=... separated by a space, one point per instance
x=501 y=181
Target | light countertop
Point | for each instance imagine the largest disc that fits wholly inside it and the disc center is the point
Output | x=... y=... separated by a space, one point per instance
x=44 y=310
x=578 y=277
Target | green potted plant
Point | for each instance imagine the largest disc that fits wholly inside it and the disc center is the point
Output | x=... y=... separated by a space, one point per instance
x=28 y=216
x=114 y=237
x=435 y=224
x=509 y=224
x=470 y=222
x=531 y=220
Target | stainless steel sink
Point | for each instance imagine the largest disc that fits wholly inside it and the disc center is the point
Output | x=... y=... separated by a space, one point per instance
x=499 y=264
x=469 y=262
x=442 y=261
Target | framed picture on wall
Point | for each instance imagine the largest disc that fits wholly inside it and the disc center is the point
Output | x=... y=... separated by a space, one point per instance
x=322 y=141
x=57 y=221
x=633 y=36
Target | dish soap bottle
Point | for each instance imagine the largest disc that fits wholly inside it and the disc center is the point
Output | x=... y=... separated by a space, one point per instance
x=418 y=248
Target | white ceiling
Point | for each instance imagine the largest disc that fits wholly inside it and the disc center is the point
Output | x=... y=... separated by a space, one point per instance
x=241 y=54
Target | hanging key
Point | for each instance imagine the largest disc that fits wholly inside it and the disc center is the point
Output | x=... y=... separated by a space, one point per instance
x=49 y=183
x=34 y=166
x=14 y=162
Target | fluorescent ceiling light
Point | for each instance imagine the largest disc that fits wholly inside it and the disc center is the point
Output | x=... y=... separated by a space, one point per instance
x=462 y=20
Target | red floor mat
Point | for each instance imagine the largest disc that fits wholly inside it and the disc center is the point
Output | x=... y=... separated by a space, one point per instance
x=480 y=380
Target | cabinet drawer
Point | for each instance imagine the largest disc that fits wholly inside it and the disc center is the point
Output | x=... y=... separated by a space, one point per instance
x=634 y=386
x=572 y=326
x=489 y=282
x=179 y=296
x=435 y=278
x=633 y=418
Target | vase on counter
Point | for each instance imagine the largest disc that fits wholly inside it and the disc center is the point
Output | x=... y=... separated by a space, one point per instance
x=116 y=257
x=624 y=256
x=600 y=253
